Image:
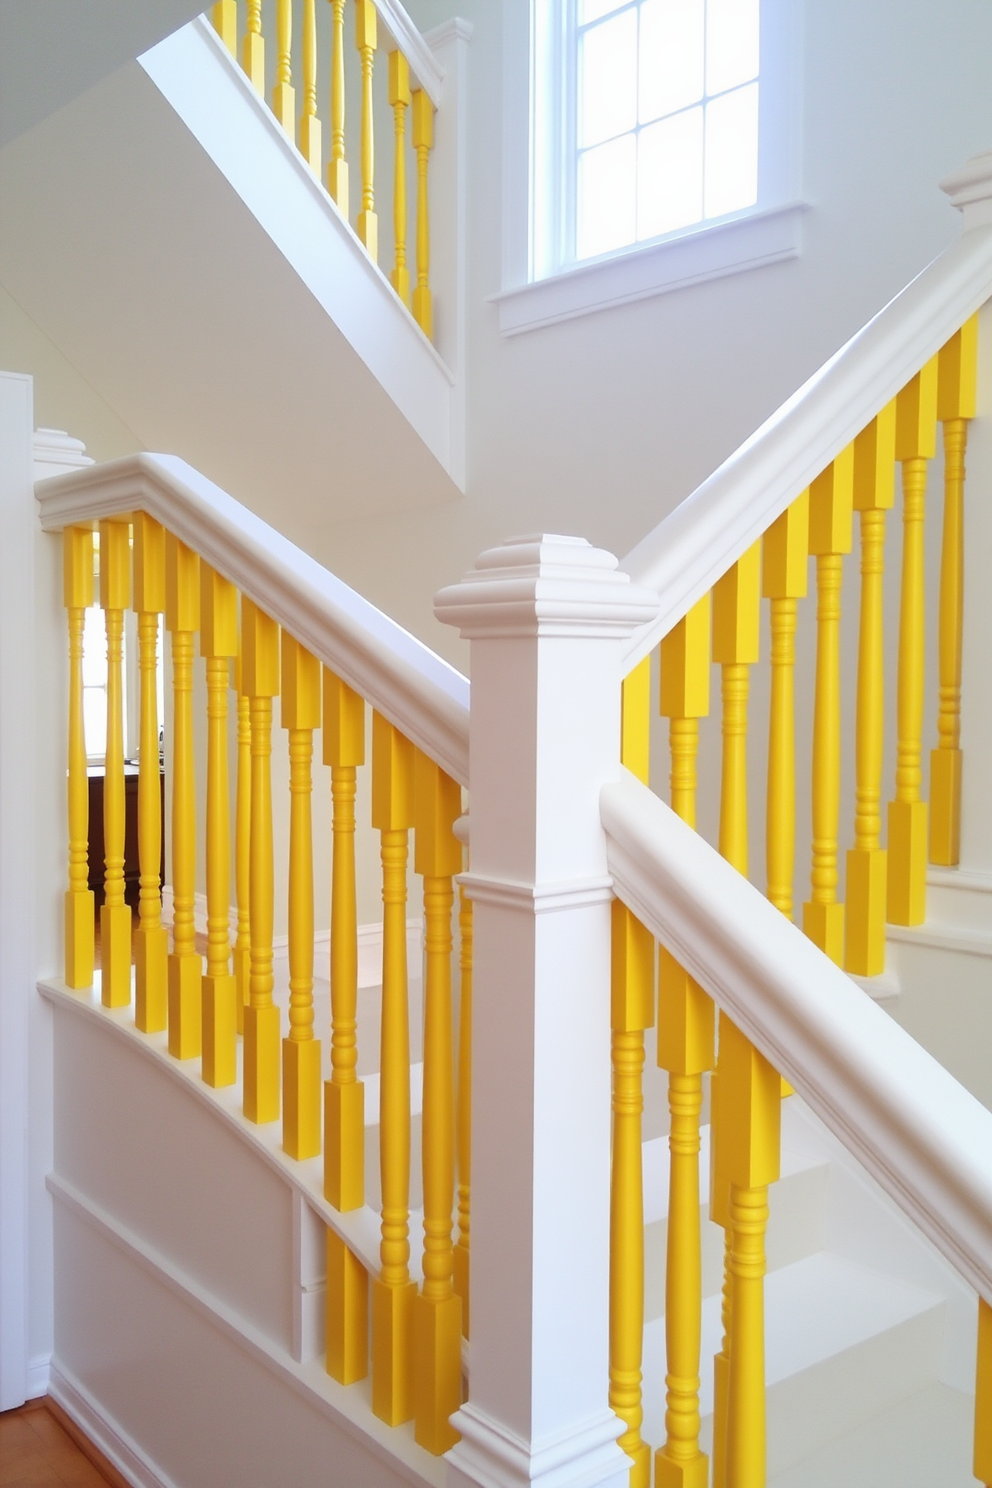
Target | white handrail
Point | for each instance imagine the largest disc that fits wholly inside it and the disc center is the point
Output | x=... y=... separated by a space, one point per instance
x=419 y=693
x=925 y=1139
x=682 y=558
x=425 y=69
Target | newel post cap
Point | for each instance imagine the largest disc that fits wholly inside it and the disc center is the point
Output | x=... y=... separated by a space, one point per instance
x=970 y=190
x=544 y=585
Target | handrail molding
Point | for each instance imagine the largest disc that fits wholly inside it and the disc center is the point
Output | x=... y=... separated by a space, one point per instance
x=924 y=1138
x=401 y=677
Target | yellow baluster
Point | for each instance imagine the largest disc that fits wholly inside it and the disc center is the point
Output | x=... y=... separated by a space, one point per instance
x=785 y=549
x=916 y=442
x=301 y=1051
x=151 y=941
x=685 y=1050
x=115 y=916
x=366 y=41
x=347 y=1313
x=224 y=15
x=874 y=493
x=242 y=846
x=218 y=644
x=720 y=1214
x=463 y=1246
x=260 y=677
x=310 y=141
x=736 y=617
x=437 y=1313
x=956 y=393
x=182 y=618
x=253 y=47
x=284 y=94
x=830 y=535
x=337 y=169
x=80 y=914
x=635 y=721
x=399 y=99
x=750 y=1144
x=632 y=996
x=983 y=1395
x=423 y=143
x=393 y=1291
x=344 y=1094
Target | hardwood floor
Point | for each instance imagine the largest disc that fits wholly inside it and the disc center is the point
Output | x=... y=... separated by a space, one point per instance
x=41 y=1448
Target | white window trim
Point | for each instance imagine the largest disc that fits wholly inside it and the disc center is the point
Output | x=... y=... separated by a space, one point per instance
x=766 y=233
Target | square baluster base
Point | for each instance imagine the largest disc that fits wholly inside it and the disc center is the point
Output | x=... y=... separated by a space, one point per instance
x=392 y=1351
x=185 y=1030
x=945 y=807
x=347 y=1313
x=344 y=1145
x=261 y=1066
x=220 y=1030
x=151 y=979
x=867 y=877
x=80 y=937
x=437 y=1367
x=301 y=1098
x=115 y=955
x=824 y=925
x=906 y=899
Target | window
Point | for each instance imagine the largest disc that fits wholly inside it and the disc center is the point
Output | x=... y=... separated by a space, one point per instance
x=661 y=148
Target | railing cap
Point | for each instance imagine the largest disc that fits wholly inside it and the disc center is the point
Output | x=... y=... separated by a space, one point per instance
x=970 y=190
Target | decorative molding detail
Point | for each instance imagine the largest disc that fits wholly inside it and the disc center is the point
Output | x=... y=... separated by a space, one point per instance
x=55 y=451
x=710 y=251
x=919 y=1133
x=970 y=190
x=682 y=558
x=537 y=898
x=401 y=677
x=348 y=1409
x=493 y=1457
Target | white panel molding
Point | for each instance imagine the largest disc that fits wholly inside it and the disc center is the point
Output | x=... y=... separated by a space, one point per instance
x=920 y=1134
x=103 y=1431
x=682 y=558
x=419 y=693
x=348 y=1409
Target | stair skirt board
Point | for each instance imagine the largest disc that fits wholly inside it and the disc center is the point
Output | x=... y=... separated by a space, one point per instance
x=177 y=1388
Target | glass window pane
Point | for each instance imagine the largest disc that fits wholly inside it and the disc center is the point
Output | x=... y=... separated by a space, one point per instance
x=607 y=203
x=671 y=57
x=95 y=720
x=670 y=174
x=732 y=151
x=731 y=43
x=591 y=10
x=608 y=79
x=94 y=649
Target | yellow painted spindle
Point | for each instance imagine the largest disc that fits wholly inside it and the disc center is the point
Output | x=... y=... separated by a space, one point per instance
x=423 y=143
x=224 y=15
x=366 y=41
x=300 y=1051
x=750 y=1156
x=80 y=914
x=635 y=721
x=242 y=845
x=337 y=169
x=831 y=501
x=151 y=941
x=260 y=677
x=344 y=1094
x=720 y=1214
x=284 y=94
x=685 y=1050
x=399 y=99
x=310 y=140
x=182 y=618
x=983 y=1395
x=218 y=644
x=874 y=493
x=736 y=617
x=437 y=1313
x=785 y=549
x=115 y=916
x=463 y=1245
x=956 y=393
x=916 y=442
x=253 y=47
x=347 y=1313
x=393 y=1292
x=632 y=998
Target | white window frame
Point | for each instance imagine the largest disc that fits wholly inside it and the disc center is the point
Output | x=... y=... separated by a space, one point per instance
x=541 y=286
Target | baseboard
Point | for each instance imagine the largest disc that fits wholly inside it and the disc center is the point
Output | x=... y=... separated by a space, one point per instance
x=103 y=1432
x=369 y=939
x=39 y=1369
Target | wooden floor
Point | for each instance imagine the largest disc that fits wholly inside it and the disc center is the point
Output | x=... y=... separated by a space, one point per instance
x=38 y=1451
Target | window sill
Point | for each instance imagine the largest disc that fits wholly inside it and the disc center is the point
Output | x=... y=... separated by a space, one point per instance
x=708 y=251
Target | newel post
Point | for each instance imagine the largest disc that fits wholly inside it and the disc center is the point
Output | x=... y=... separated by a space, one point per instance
x=547 y=618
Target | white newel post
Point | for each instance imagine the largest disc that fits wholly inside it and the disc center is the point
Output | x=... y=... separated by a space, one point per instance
x=547 y=618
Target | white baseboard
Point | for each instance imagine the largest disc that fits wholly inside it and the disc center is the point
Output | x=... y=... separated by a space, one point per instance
x=39 y=1371
x=103 y=1431
x=369 y=940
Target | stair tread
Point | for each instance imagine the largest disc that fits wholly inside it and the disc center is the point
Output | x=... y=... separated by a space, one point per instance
x=798 y=1156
